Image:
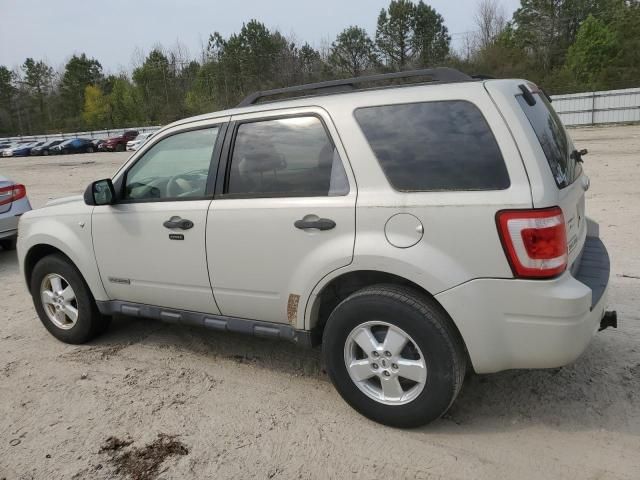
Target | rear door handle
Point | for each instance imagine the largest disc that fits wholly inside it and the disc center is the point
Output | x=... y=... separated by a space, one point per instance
x=319 y=224
x=177 y=222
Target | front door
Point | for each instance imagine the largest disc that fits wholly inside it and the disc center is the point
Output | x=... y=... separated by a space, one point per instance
x=285 y=217
x=150 y=245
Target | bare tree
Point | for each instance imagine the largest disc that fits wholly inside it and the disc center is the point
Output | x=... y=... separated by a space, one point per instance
x=490 y=21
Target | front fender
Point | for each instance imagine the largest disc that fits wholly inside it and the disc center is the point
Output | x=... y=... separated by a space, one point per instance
x=69 y=233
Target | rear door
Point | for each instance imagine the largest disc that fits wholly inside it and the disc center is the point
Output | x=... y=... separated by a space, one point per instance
x=283 y=216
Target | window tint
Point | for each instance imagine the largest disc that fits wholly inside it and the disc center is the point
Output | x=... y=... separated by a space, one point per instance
x=434 y=146
x=286 y=157
x=555 y=143
x=176 y=167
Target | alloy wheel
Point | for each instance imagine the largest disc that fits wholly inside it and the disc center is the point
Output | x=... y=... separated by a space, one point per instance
x=385 y=363
x=59 y=301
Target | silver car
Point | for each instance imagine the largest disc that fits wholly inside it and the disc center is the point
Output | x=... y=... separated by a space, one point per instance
x=13 y=203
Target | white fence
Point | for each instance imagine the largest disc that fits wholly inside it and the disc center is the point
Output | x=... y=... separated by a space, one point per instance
x=88 y=134
x=594 y=108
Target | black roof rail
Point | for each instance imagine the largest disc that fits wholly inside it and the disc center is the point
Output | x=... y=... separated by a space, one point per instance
x=482 y=76
x=437 y=75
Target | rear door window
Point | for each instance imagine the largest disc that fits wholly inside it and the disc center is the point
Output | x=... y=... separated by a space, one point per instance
x=434 y=146
x=555 y=142
x=285 y=157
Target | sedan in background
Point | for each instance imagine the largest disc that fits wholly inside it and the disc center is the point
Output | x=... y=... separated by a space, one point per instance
x=135 y=144
x=73 y=145
x=97 y=142
x=44 y=148
x=20 y=150
x=13 y=203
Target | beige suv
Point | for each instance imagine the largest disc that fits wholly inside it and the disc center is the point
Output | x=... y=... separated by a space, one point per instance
x=416 y=230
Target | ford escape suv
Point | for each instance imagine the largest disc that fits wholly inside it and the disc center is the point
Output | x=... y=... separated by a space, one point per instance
x=416 y=230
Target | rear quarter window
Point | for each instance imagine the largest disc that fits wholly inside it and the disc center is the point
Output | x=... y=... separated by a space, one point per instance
x=434 y=146
x=553 y=139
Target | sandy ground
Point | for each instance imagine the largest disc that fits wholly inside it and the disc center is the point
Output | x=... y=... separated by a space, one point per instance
x=245 y=407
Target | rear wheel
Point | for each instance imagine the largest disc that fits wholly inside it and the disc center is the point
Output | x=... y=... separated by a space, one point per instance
x=394 y=355
x=64 y=302
x=8 y=243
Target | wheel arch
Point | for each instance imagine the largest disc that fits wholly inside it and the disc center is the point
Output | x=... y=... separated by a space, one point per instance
x=37 y=253
x=34 y=253
x=340 y=287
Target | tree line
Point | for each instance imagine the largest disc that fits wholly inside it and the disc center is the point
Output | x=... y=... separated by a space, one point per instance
x=563 y=45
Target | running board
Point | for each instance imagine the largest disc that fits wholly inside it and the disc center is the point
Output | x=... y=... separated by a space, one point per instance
x=213 y=322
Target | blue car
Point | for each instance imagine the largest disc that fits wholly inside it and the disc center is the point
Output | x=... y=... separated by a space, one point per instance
x=74 y=145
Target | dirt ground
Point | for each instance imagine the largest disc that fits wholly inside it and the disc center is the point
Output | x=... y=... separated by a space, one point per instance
x=190 y=403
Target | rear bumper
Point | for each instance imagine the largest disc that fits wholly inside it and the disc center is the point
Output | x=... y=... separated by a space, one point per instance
x=513 y=323
x=9 y=220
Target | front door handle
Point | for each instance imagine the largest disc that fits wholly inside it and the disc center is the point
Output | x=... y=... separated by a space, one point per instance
x=319 y=224
x=177 y=222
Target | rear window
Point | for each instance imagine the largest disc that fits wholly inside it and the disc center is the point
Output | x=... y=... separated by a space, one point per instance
x=555 y=142
x=431 y=146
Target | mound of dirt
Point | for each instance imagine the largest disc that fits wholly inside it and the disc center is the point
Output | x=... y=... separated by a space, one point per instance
x=142 y=463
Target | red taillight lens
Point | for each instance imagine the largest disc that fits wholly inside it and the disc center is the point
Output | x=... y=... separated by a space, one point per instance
x=535 y=241
x=12 y=193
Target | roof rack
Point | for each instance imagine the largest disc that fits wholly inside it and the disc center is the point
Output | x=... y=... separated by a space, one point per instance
x=436 y=75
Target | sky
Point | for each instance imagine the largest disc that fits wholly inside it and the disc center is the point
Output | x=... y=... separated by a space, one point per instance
x=111 y=31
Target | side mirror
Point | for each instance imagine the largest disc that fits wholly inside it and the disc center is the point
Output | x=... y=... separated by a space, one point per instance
x=100 y=192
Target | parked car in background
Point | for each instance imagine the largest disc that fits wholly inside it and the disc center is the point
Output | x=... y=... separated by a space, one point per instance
x=44 y=148
x=97 y=142
x=5 y=147
x=119 y=143
x=13 y=203
x=135 y=144
x=74 y=145
x=20 y=150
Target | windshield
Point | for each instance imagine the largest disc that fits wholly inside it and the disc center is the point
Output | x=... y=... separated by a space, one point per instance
x=556 y=144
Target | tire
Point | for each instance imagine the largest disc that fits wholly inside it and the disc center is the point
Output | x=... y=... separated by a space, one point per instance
x=8 y=243
x=89 y=323
x=65 y=152
x=45 y=152
x=432 y=342
x=89 y=149
x=119 y=148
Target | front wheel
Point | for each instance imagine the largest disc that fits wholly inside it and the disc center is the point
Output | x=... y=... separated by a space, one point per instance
x=64 y=302
x=393 y=354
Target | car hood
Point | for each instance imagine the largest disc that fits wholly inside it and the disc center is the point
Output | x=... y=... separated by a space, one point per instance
x=65 y=200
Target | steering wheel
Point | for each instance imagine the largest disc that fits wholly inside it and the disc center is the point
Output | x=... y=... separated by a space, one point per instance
x=182 y=184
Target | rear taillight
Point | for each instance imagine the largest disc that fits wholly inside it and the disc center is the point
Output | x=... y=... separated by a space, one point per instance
x=12 y=193
x=535 y=241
